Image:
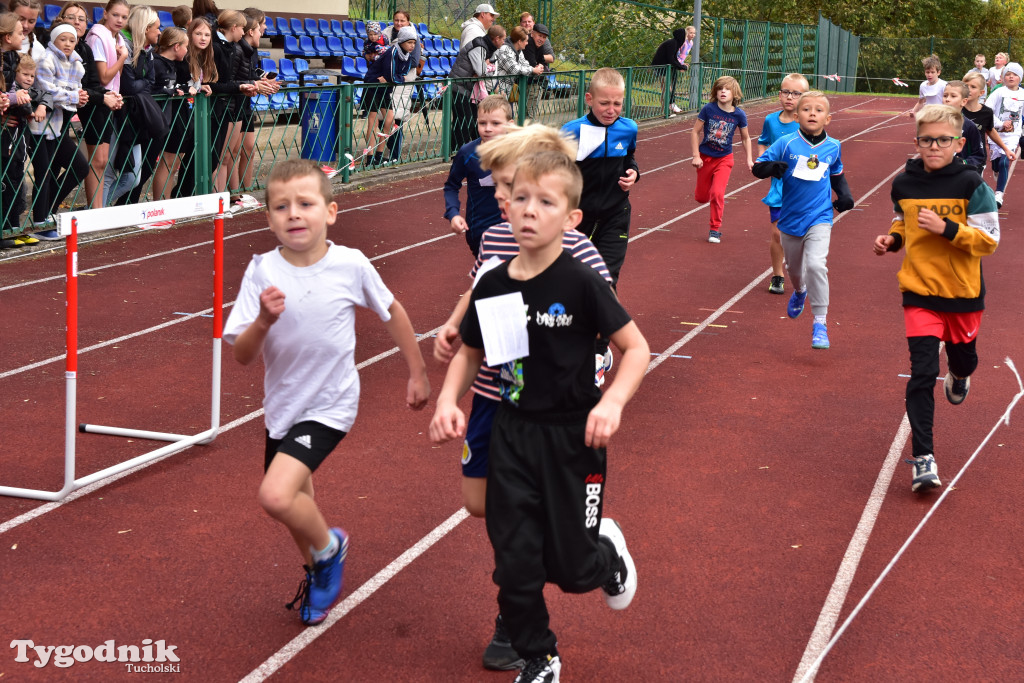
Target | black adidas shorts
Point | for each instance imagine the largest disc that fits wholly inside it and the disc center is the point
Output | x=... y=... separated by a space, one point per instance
x=308 y=442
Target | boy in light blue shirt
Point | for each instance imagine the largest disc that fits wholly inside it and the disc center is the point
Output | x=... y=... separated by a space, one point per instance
x=810 y=165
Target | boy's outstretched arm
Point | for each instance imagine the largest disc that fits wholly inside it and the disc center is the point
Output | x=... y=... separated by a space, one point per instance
x=745 y=137
x=604 y=418
x=449 y=332
x=449 y=422
x=400 y=329
x=249 y=343
x=695 y=135
x=995 y=137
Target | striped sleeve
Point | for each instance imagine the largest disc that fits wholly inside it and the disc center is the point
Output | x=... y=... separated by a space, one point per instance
x=583 y=250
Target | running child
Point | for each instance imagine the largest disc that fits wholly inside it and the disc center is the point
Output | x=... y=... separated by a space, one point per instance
x=941 y=280
x=776 y=125
x=981 y=116
x=498 y=244
x=546 y=472
x=972 y=153
x=1006 y=104
x=296 y=306
x=810 y=164
x=979 y=68
x=711 y=138
x=995 y=74
x=494 y=114
x=932 y=86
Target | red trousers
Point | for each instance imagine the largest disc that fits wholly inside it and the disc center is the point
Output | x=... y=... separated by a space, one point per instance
x=712 y=178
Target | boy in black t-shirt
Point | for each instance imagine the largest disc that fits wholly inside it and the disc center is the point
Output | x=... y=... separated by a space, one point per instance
x=538 y=316
x=980 y=115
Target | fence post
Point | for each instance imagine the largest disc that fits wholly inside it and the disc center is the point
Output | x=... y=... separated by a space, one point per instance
x=523 y=98
x=743 y=63
x=203 y=159
x=346 y=103
x=627 y=106
x=446 y=120
x=666 y=89
x=931 y=45
x=785 y=54
x=581 y=94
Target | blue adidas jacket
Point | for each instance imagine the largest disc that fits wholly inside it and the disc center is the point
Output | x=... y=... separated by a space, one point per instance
x=605 y=165
x=481 y=207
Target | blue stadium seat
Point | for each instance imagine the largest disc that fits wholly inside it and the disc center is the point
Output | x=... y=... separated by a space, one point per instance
x=335 y=46
x=360 y=28
x=348 y=47
x=50 y=12
x=434 y=66
x=272 y=27
x=312 y=28
x=348 y=28
x=446 y=64
x=301 y=66
x=297 y=28
x=422 y=29
x=306 y=47
x=291 y=45
x=320 y=45
x=284 y=27
x=348 y=68
x=260 y=103
x=279 y=100
x=447 y=48
x=361 y=66
x=325 y=28
x=336 y=28
x=97 y=15
x=268 y=64
x=456 y=45
x=287 y=72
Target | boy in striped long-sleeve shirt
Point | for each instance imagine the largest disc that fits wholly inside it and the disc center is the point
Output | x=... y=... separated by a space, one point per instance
x=498 y=245
x=946 y=220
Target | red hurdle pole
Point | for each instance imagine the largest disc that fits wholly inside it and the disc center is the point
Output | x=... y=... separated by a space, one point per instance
x=71 y=360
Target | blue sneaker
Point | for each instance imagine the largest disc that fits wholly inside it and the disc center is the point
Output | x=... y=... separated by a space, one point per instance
x=323 y=583
x=796 y=304
x=819 y=339
x=926 y=473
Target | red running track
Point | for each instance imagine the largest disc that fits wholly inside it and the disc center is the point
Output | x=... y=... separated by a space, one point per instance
x=742 y=469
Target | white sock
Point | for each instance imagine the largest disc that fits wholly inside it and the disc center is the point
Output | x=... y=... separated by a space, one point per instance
x=820 y=319
x=328 y=552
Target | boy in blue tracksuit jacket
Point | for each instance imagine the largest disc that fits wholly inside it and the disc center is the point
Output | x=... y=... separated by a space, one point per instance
x=607 y=143
x=494 y=113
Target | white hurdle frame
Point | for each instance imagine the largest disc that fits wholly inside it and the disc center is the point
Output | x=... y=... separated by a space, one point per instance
x=70 y=225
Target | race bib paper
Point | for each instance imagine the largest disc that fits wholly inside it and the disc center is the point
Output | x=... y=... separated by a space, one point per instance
x=503 y=326
x=804 y=172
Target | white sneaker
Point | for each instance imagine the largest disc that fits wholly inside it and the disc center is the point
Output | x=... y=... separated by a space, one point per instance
x=999 y=200
x=674 y=108
x=619 y=591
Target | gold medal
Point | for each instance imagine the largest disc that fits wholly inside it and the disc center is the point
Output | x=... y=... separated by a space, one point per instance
x=812 y=163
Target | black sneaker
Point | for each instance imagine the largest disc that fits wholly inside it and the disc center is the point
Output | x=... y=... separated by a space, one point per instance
x=500 y=655
x=778 y=285
x=541 y=670
x=926 y=473
x=956 y=388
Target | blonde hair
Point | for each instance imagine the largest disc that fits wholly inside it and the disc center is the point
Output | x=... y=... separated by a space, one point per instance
x=727 y=82
x=796 y=77
x=960 y=87
x=495 y=103
x=932 y=62
x=606 y=77
x=517 y=143
x=290 y=169
x=230 y=18
x=1006 y=57
x=975 y=76
x=940 y=113
x=814 y=95
x=140 y=18
x=536 y=166
x=26 y=63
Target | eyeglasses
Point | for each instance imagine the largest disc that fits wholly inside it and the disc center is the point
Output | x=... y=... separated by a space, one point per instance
x=75 y=18
x=790 y=93
x=942 y=141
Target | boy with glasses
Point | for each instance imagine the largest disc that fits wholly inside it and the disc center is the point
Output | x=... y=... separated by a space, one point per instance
x=946 y=218
x=777 y=125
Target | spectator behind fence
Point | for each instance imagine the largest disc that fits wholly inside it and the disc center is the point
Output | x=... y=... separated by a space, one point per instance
x=182 y=16
x=28 y=13
x=129 y=167
x=171 y=78
x=58 y=166
x=674 y=52
x=478 y=25
x=471 y=62
x=390 y=68
x=264 y=86
x=232 y=70
x=109 y=55
x=510 y=62
x=12 y=140
x=401 y=97
x=537 y=51
x=202 y=71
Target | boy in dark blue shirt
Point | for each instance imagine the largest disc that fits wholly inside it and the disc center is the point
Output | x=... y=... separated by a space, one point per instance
x=494 y=113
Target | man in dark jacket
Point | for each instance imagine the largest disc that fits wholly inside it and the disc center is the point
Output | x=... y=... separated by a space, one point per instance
x=471 y=63
x=674 y=52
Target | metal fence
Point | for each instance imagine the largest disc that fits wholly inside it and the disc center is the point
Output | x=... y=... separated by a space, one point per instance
x=882 y=59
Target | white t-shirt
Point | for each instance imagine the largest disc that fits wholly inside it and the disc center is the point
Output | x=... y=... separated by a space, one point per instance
x=1006 y=105
x=932 y=94
x=995 y=76
x=309 y=353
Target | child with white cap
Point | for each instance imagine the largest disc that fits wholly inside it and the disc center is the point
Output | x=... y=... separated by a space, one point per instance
x=1006 y=103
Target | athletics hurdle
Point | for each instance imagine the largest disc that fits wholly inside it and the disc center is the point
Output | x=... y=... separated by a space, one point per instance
x=70 y=225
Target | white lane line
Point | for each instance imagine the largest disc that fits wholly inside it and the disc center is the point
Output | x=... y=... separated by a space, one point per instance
x=286 y=653
x=812 y=666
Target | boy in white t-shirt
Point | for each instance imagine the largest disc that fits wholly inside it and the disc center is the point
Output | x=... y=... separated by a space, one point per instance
x=1006 y=104
x=979 y=68
x=932 y=87
x=296 y=305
